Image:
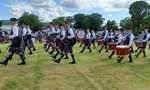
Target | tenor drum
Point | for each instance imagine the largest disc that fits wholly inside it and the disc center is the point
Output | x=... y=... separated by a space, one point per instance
x=112 y=46
x=122 y=50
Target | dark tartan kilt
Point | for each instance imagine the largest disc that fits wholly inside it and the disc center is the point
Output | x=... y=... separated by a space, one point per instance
x=28 y=40
x=143 y=45
x=72 y=42
x=87 y=42
x=58 y=43
x=109 y=40
x=16 y=42
x=93 y=41
x=105 y=42
x=68 y=44
x=15 y=45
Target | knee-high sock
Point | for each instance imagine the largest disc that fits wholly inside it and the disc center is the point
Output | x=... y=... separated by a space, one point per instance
x=61 y=57
x=83 y=49
x=144 y=53
x=73 y=58
x=113 y=52
x=89 y=49
x=139 y=53
x=101 y=48
x=130 y=58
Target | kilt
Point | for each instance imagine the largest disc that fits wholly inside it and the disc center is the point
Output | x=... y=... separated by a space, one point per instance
x=87 y=42
x=16 y=45
x=143 y=45
x=67 y=45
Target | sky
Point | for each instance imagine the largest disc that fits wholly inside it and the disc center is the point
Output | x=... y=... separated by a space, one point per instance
x=50 y=9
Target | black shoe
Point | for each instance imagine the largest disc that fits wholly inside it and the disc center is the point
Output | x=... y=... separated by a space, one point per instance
x=53 y=57
x=66 y=58
x=119 y=61
x=136 y=56
x=130 y=61
x=110 y=57
x=50 y=52
x=34 y=49
x=3 y=63
x=99 y=51
x=57 y=61
x=23 y=63
x=30 y=53
x=72 y=62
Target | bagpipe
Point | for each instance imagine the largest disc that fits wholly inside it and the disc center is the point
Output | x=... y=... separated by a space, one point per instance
x=80 y=36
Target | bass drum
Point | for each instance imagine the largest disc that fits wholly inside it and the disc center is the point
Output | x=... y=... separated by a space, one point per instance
x=122 y=50
x=80 y=35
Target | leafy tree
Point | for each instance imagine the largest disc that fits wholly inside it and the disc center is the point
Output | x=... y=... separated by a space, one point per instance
x=79 y=20
x=138 y=11
x=59 y=21
x=93 y=21
x=111 y=25
x=146 y=22
x=126 y=23
x=31 y=20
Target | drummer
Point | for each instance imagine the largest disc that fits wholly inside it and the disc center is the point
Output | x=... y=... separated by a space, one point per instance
x=138 y=40
x=87 y=42
x=128 y=41
x=116 y=39
x=144 y=40
x=93 y=38
x=105 y=35
x=111 y=35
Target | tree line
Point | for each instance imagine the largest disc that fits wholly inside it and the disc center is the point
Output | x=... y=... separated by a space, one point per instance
x=139 y=11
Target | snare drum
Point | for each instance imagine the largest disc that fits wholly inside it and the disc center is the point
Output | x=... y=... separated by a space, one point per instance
x=112 y=46
x=122 y=50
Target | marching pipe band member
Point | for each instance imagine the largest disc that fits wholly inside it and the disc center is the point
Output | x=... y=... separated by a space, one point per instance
x=93 y=38
x=55 y=32
x=57 y=45
x=26 y=33
x=110 y=36
x=69 y=42
x=116 y=39
x=145 y=38
x=87 y=42
x=138 y=40
x=128 y=41
x=82 y=41
x=15 y=46
x=105 y=35
x=51 y=39
x=31 y=36
x=48 y=31
x=61 y=44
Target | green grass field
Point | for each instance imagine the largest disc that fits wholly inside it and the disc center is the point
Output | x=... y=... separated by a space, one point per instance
x=93 y=71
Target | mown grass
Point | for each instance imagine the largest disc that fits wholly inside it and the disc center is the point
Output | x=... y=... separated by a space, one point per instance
x=93 y=71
